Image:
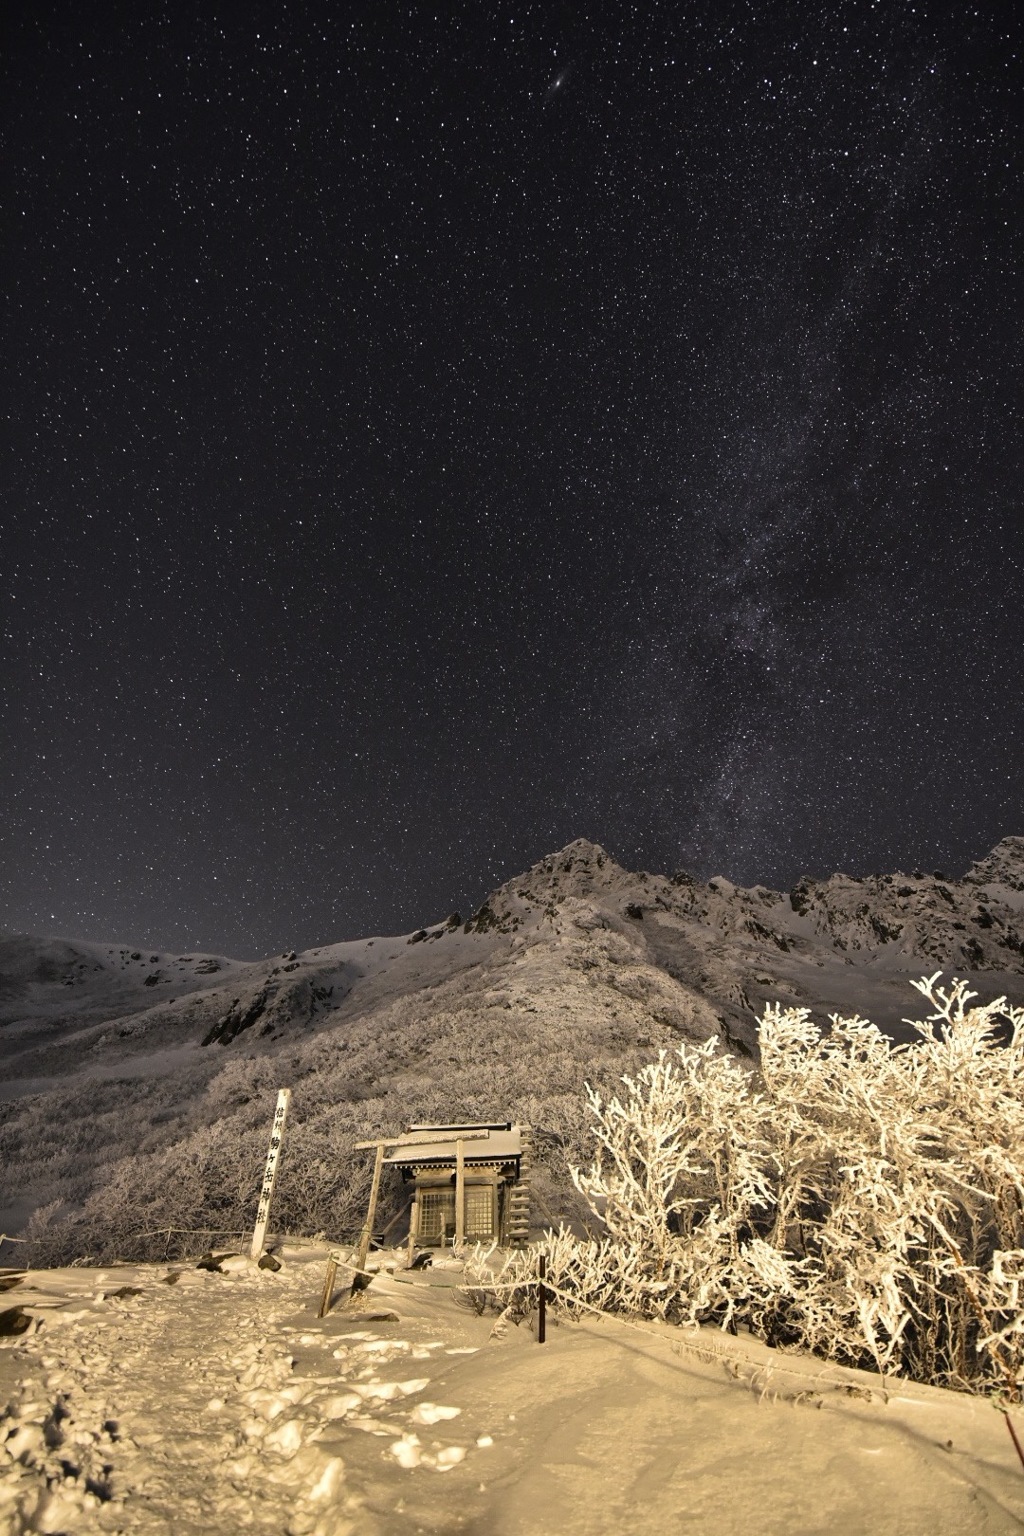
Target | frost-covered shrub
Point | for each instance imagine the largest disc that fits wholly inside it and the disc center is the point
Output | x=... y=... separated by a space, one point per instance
x=857 y=1198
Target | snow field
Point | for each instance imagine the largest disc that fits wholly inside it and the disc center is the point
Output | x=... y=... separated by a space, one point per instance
x=184 y=1408
x=220 y=1404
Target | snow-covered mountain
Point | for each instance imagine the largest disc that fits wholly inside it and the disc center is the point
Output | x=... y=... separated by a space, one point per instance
x=157 y=1070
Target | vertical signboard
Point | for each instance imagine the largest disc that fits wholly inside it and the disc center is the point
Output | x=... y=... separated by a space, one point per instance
x=270 y=1173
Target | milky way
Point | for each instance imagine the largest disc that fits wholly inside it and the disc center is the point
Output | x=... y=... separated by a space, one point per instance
x=433 y=438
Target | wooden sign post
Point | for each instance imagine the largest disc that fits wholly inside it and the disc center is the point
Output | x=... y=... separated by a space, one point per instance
x=284 y=1096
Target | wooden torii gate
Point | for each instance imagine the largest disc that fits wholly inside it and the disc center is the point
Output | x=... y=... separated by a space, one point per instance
x=379 y=1146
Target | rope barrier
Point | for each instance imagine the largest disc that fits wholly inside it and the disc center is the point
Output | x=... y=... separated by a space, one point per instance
x=169 y=1232
x=703 y=1349
x=155 y=1232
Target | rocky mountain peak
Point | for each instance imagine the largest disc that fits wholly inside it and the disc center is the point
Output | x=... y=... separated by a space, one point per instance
x=1003 y=866
x=578 y=869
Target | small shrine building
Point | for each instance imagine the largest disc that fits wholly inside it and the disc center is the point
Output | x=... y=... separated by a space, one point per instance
x=470 y=1182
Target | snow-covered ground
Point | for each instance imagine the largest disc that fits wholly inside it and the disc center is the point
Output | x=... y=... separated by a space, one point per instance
x=148 y=1399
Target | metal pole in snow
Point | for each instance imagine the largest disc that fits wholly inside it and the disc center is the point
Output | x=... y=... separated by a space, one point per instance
x=284 y=1096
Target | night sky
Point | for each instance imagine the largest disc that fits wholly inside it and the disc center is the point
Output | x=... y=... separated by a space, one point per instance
x=435 y=434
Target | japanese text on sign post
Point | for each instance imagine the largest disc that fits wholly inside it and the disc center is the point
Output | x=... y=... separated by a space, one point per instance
x=270 y=1172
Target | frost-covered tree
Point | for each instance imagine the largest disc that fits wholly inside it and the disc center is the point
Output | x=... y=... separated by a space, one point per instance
x=858 y=1198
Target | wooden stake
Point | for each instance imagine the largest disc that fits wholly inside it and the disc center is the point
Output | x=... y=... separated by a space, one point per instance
x=1013 y=1436
x=460 y=1193
x=371 y=1211
x=542 y=1299
x=414 y=1226
x=396 y=1218
x=328 y=1291
x=284 y=1096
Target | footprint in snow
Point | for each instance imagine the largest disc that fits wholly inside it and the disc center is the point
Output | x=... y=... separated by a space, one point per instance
x=409 y=1453
x=433 y=1413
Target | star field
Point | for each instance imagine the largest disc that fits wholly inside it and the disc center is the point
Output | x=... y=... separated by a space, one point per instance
x=431 y=436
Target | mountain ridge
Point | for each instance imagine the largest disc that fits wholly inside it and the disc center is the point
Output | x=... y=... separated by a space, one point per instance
x=125 y=1064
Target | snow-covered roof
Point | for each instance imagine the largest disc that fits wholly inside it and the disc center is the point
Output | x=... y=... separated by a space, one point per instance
x=493 y=1142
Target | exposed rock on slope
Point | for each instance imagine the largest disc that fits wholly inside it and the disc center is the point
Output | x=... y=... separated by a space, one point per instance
x=54 y=978
x=734 y=948
x=156 y=1071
